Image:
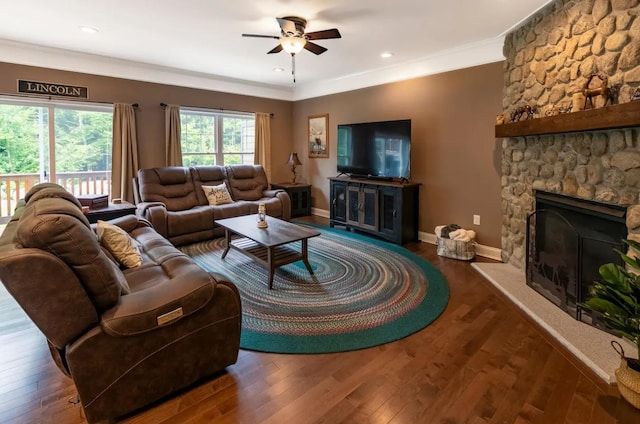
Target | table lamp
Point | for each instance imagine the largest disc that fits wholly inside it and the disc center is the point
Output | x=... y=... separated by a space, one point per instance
x=293 y=162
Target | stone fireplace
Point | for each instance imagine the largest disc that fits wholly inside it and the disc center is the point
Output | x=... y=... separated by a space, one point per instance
x=548 y=61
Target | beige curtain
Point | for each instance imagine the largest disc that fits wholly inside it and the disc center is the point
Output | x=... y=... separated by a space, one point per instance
x=172 y=135
x=124 y=152
x=262 y=155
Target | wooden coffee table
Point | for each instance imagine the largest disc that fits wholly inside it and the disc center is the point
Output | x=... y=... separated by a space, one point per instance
x=267 y=246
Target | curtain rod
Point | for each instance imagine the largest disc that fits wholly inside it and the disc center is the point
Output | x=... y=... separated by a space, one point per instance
x=61 y=100
x=132 y=104
x=214 y=108
x=135 y=105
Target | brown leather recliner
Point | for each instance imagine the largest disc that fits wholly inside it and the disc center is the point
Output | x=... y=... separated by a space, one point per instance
x=172 y=199
x=126 y=337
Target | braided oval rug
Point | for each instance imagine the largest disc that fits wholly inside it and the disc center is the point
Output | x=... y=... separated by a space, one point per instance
x=363 y=293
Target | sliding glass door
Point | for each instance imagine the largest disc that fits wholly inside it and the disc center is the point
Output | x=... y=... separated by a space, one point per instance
x=82 y=158
x=24 y=152
x=69 y=144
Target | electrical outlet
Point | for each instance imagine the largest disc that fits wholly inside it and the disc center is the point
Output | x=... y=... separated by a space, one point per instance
x=476 y=219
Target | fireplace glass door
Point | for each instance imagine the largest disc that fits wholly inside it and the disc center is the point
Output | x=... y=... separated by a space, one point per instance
x=568 y=239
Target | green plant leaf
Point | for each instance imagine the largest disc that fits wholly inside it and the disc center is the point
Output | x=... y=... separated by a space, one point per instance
x=622 y=329
x=617 y=296
x=616 y=276
x=622 y=299
x=606 y=307
x=632 y=243
x=632 y=262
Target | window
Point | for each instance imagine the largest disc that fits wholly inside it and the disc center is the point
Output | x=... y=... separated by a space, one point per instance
x=216 y=138
x=69 y=144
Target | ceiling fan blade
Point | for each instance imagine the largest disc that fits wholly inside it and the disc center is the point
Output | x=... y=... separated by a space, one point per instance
x=276 y=49
x=287 y=26
x=323 y=35
x=314 y=48
x=261 y=36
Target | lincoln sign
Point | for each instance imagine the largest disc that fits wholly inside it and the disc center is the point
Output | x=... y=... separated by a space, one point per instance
x=51 y=89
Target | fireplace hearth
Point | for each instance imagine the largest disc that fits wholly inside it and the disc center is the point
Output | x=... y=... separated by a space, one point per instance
x=567 y=241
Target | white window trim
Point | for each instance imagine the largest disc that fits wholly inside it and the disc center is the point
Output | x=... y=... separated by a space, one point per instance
x=56 y=103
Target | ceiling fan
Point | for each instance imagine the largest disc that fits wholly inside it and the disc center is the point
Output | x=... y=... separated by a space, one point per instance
x=293 y=38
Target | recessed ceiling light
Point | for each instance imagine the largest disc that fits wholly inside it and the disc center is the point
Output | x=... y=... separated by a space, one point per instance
x=278 y=69
x=386 y=55
x=88 y=29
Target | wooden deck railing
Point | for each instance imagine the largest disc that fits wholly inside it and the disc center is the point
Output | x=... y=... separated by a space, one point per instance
x=13 y=187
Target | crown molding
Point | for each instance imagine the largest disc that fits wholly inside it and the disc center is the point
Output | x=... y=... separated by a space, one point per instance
x=67 y=60
x=487 y=51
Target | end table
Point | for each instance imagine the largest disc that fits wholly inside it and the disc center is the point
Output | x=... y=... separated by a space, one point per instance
x=300 y=195
x=112 y=211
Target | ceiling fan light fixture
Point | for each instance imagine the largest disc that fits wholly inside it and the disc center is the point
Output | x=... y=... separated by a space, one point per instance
x=292 y=45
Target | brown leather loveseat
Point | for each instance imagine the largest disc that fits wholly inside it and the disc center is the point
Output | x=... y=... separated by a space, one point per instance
x=172 y=199
x=127 y=337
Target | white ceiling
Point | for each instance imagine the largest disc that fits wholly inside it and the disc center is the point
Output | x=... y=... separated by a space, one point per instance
x=198 y=42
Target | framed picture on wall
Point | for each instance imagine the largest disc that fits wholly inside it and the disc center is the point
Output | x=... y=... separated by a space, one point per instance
x=318 y=136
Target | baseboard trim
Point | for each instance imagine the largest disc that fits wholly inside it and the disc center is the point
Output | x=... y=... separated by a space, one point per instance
x=320 y=212
x=481 y=250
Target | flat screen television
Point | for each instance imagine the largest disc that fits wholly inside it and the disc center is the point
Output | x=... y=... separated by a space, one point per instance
x=379 y=150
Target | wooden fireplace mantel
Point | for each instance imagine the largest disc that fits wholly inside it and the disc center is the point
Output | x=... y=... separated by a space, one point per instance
x=605 y=118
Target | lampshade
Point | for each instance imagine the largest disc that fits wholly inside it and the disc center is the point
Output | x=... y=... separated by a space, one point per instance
x=292 y=45
x=293 y=159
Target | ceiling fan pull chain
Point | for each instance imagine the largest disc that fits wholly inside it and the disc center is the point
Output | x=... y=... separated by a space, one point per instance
x=293 y=67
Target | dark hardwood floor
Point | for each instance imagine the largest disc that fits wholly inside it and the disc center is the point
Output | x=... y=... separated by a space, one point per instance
x=482 y=361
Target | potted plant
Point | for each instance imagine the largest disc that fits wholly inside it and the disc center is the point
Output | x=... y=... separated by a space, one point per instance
x=617 y=298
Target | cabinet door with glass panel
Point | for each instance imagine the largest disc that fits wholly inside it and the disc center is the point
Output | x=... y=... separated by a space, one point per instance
x=362 y=206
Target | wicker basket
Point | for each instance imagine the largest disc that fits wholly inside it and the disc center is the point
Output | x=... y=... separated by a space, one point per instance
x=628 y=378
x=456 y=249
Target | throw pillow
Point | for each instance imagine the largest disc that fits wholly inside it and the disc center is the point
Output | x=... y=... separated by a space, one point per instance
x=121 y=245
x=217 y=195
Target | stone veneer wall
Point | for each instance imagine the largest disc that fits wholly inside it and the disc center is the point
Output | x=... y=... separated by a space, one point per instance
x=548 y=60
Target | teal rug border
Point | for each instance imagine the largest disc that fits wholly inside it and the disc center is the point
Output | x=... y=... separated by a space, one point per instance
x=424 y=314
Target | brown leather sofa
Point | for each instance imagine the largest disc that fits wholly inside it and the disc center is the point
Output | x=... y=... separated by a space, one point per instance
x=126 y=337
x=172 y=199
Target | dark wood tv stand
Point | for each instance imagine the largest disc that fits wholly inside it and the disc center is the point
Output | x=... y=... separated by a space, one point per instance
x=386 y=209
